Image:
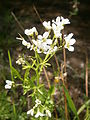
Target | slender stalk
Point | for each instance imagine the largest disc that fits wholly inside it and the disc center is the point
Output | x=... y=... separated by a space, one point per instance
x=46 y=77
x=57 y=62
x=14 y=111
x=43 y=67
x=86 y=79
x=17 y=21
x=28 y=102
x=65 y=82
x=37 y=13
x=10 y=63
x=19 y=24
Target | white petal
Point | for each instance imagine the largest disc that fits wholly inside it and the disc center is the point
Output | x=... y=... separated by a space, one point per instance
x=18 y=62
x=72 y=41
x=7 y=86
x=55 y=48
x=40 y=37
x=45 y=52
x=9 y=82
x=28 y=31
x=57 y=34
x=37 y=101
x=28 y=45
x=47 y=25
x=49 y=41
x=35 y=42
x=70 y=35
x=45 y=35
x=53 y=26
x=65 y=46
x=37 y=115
x=48 y=113
x=30 y=112
x=68 y=38
x=34 y=29
x=24 y=43
x=41 y=114
x=71 y=48
x=58 y=20
x=64 y=21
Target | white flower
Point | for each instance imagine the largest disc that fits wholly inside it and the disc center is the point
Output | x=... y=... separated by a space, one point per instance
x=31 y=112
x=55 y=48
x=48 y=113
x=8 y=84
x=24 y=42
x=20 y=61
x=57 y=30
x=31 y=31
x=27 y=44
x=57 y=22
x=39 y=114
x=45 y=46
x=42 y=44
x=44 y=36
x=37 y=101
x=47 y=25
x=69 y=42
x=58 y=25
x=64 y=21
x=60 y=21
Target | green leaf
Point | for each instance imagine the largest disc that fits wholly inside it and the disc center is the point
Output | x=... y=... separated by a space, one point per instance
x=51 y=90
x=70 y=102
x=26 y=75
x=10 y=62
x=83 y=107
x=16 y=73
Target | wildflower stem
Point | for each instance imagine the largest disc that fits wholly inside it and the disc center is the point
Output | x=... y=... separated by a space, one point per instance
x=49 y=57
x=64 y=57
x=37 y=13
x=19 y=24
x=46 y=77
x=43 y=67
x=86 y=75
x=17 y=21
x=10 y=62
x=57 y=62
x=14 y=110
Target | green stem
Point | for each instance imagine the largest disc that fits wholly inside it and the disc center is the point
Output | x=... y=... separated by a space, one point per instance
x=37 y=73
x=14 y=110
x=10 y=62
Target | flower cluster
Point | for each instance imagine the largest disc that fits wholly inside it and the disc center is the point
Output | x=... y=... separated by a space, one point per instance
x=48 y=43
x=57 y=26
x=38 y=113
x=20 y=61
x=8 y=84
